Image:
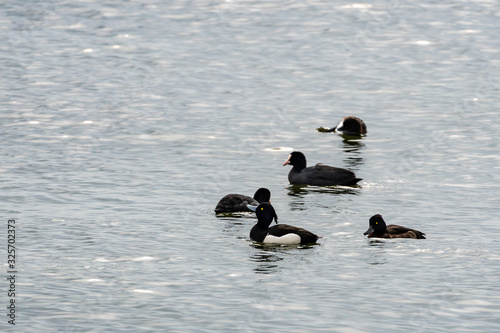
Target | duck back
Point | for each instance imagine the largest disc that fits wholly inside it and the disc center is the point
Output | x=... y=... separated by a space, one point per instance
x=397 y=231
x=235 y=203
x=322 y=175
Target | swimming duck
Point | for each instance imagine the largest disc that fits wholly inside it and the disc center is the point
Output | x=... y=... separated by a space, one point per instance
x=378 y=229
x=238 y=202
x=319 y=175
x=352 y=126
x=280 y=233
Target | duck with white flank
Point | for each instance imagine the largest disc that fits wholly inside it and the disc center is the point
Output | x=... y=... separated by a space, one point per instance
x=319 y=175
x=280 y=233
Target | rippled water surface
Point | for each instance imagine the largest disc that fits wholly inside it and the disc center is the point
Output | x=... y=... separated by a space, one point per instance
x=123 y=124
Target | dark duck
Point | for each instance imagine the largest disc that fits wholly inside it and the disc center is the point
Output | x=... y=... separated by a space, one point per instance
x=239 y=203
x=378 y=229
x=319 y=175
x=350 y=126
x=280 y=233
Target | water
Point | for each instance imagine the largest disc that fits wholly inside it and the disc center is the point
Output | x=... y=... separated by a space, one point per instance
x=123 y=124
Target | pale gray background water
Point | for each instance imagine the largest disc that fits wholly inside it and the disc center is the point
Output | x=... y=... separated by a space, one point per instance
x=123 y=124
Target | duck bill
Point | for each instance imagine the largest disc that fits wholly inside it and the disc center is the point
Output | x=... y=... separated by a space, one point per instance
x=287 y=161
x=252 y=208
x=369 y=231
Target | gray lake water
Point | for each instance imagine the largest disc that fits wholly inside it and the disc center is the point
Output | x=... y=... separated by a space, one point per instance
x=124 y=122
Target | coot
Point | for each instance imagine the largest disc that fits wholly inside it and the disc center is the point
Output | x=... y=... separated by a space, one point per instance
x=319 y=175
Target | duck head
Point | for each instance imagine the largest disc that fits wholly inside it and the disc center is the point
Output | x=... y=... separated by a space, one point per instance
x=262 y=195
x=377 y=225
x=265 y=214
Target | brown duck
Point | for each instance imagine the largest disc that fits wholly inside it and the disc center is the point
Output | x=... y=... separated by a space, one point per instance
x=378 y=229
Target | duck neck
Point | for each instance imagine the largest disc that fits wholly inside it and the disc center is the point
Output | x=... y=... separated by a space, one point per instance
x=265 y=223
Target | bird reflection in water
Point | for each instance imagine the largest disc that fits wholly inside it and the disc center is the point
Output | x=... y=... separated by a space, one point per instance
x=353 y=152
x=268 y=256
x=266 y=262
x=301 y=190
x=298 y=193
x=377 y=255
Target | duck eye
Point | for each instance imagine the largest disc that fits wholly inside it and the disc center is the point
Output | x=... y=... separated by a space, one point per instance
x=261 y=208
x=376 y=222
